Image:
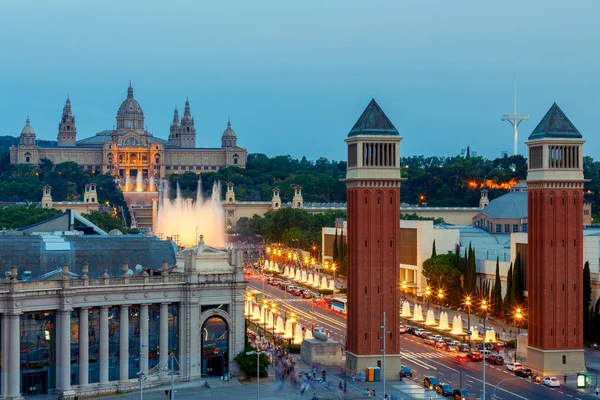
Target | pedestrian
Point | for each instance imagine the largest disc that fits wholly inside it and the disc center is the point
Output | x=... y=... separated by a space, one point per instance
x=315 y=371
x=353 y=379
x=315 y=397
x=373 y=393
x=324 y=375
x=340 y=386
x=345 y=386
x=596 y=390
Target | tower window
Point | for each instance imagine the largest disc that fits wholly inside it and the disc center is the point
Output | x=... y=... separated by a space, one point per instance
x=68 y=127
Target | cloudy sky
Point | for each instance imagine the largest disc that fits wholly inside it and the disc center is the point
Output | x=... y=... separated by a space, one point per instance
x=295 y=76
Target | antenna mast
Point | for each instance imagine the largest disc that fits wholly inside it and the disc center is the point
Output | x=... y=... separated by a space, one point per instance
x=515 y=119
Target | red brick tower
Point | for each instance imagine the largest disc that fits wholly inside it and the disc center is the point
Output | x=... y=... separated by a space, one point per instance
x=555 y=246
x=373 y=207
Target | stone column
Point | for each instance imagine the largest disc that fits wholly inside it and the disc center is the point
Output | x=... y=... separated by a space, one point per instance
x=65 y=350
x=124 y=344
x=144 y=338
x=163 y=337
x=84 y=346
x=103 y=345
x=14 y=358
x=5 y=355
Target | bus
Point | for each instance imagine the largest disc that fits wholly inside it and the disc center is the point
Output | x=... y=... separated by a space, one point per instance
x=339 y=304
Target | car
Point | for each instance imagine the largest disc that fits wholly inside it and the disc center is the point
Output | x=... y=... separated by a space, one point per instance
x=410 y=330
x=448 y=340
x=439 y=344
x=523 y=372
x=460 y=359
x=418 y=331
x=461 y=394
x=405 y=371
x=437 y=337
x=424 y=334
x=429 y=340
x=430 y=382
x=298 y=292
x=551 y=381
x=307 y=295
x=402 y=329
x=475 y=357
x=514 y=367
x=319 y=329
x=444 y=389
x=451 y=346
x=464 y=348
x=485 y=353
x=495 y=359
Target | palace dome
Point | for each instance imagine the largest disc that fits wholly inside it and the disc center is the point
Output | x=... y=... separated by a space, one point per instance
x=130 y=107
x=229 y=132
x=27 y=129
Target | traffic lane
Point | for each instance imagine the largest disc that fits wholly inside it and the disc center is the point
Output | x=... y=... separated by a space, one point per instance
x=422 y=360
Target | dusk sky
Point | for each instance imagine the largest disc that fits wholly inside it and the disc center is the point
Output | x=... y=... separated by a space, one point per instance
x=294 y=76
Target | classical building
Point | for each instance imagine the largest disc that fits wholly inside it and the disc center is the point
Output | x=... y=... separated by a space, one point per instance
x=373 y=194
x=85 y=314
x=555 y=246
x=89 y=203
x=130 y=150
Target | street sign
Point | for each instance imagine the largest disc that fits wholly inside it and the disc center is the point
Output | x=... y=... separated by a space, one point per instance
x=469 y=333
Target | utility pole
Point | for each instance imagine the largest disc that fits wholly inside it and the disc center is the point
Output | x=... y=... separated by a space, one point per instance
x=515 y=119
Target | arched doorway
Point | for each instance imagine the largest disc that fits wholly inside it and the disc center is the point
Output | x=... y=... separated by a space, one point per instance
x=215 y=346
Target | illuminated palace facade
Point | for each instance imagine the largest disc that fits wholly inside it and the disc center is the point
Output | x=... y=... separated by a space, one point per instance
x=130 y=150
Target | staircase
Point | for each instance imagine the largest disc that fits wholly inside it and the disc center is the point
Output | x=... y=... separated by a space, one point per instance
x=142 y=215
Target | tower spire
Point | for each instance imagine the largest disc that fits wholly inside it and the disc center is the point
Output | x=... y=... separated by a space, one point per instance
x=515 y=119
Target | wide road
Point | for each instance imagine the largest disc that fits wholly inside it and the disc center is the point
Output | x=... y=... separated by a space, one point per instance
x=424 y=360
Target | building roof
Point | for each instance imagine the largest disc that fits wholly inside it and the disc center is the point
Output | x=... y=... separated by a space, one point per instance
x=228 y=132
x=27 y=129
x=373 y=121
x=510 y=205
x=555 y=125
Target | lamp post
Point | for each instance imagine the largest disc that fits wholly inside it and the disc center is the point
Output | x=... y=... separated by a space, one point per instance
x=333 y=268
x=293 y=319
x=468 y=304
x=441 y=298
x=518 y=316
x=484 y=307
x=274 y=312
x=404 y=288
x=427 y=294
x=258 y=353
x=264 y=311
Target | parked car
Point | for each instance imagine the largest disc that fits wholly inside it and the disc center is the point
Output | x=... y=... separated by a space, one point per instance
x=430 y=382
x=461 y=394
x=410 y=330
x=437 y=337
x=448 y=340
x=461 y=359
x=424 y=334
x=475 y=357
x=405 y=371
x=523 y=372
x=451 y=346
x=514 y=367
x=464 y=348
x=440 y=344
x=444 y=389
x=495 y=359
x=402 y=329
x=429 y=340
x=307 y=294
x=551 y=381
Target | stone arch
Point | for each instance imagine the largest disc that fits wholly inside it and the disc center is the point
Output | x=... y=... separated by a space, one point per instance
x=218 y=367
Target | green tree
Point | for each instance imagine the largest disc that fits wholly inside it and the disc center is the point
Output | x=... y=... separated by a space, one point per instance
x=518 y=281
x=13 y=217
x=587 y=300
x=247 y=363
x=497 y=302
x=105 y=221
x=509 y=296
x=433 y=252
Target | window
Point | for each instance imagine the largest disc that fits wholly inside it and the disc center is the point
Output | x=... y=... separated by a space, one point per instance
x=168 y=168
x=176 y=168
x=498 y=228
x=516 y=228
x=235 y=160
x=586 y=212
x=524 y=227
x=213 y=168
x=506 y=228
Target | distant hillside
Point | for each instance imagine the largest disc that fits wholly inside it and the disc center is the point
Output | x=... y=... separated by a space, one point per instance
x=7 y=141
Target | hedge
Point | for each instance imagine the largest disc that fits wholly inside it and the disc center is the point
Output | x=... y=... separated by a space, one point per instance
x=325 y=292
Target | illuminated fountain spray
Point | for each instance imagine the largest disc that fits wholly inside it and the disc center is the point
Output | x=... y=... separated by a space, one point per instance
x=406 y=309
x=418 y=313
x=139 y=183
x=490 y=336
x=457 y=325
x=185 y=220
x=444 y=321
x=430 y=318
x=298 y=334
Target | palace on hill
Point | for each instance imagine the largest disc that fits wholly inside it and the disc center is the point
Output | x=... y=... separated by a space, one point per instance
x=130 y=150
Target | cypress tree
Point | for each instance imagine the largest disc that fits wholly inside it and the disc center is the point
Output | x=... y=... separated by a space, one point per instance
x=587 y=300
x=508 y=298
x=335 y=254
x=342 y=251
x=457 y=262
x=498 y=290
x=518 y=281
x=433 y=252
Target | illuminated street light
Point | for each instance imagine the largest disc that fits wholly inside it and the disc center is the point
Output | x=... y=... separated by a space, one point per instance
x=468 y=304
x=441 y=297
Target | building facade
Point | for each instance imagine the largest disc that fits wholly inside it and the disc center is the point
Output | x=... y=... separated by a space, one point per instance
x=373 y=225
x=555 y=245
x=91 y=328
x=130 y=150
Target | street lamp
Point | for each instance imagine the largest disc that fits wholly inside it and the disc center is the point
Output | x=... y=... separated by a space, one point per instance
x=427 y=294
x=333 y=268
x=484 y=307
x=404 y=288
x=293 y=320
x=265 y=311
x=274 y=312
x=518 y=316
x=258 y=353
x=441 y=297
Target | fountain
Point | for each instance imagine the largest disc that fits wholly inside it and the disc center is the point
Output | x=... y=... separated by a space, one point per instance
x=316 y=281
x=298 y=275
x=286 y=271
x=332 y=285
x=152 y=184
x=310 y=280
x=271 y=265
x=266 y=266
x=490 y=336
x=308 y=334
x=186 y=221
x=430 y=318
x=418 y=313
x=476 y=334
x=247 y=308
x=256 y=314
x=406 y=310
x=297 y=339
x=457 y=325
x=304 y=277
x=279 y=328
x=444 y=321
x=324 y=283
x=276 y=269
x=139 y=183
x=289 y=329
